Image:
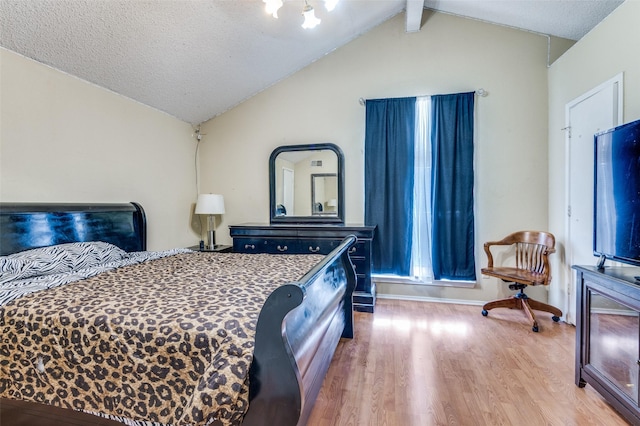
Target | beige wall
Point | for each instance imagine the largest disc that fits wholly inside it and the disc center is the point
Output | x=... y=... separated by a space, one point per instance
x=65 y=140
x=320 y=104
x=612 y=47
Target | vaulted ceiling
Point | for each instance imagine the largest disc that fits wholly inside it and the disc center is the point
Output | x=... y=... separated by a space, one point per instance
x=195 y=59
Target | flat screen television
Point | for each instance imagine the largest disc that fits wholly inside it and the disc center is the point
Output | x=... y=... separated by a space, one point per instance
x=617 y=195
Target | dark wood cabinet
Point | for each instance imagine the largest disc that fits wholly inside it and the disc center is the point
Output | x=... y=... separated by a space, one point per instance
x=608 y=335
x=313 y=238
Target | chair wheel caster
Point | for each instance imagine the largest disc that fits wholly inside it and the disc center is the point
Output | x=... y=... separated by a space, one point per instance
x=485 y=312
x=535 y=328
x=555 y=318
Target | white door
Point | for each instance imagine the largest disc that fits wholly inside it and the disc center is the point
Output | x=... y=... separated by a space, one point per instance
x=597 y=110
x=287 y=190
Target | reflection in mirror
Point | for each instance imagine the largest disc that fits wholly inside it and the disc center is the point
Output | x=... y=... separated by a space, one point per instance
x=324 y=194
x=306 y=183
x=293 y=189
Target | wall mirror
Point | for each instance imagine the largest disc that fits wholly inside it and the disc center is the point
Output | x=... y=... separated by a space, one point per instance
x=306 y=184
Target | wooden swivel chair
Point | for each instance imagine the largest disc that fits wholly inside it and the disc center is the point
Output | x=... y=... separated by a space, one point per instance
x=532 y=250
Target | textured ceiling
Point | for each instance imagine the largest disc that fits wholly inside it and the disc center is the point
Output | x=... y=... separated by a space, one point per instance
x=195 y=59
x=569 y=19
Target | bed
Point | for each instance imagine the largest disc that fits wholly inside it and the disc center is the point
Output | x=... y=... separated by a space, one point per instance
x=288 y=333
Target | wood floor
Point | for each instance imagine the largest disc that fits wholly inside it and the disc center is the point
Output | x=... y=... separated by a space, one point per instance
x=420 y=363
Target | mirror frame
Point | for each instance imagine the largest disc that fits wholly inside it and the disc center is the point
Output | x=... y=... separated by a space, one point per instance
x=339 y=218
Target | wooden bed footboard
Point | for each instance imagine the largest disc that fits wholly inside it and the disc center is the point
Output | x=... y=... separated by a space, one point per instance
x=297 y=333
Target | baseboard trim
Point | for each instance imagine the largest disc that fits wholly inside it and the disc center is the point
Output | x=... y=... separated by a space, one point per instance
x=429 y=299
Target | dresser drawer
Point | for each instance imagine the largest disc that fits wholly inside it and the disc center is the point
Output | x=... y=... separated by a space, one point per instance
x=319 y=246
x=283 y=246
x=249 y=245
x=361 y=265
x=265 y=245
x=360 y=249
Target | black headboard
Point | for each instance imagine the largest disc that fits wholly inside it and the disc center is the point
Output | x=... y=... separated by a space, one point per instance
x=24 y=226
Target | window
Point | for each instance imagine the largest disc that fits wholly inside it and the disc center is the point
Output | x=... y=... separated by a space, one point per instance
x=419 y=186
x=421 y=269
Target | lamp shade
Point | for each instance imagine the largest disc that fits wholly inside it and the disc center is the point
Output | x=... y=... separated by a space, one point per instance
x=210 y=204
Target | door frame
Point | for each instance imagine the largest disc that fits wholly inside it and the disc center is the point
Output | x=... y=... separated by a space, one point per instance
x=569 y=294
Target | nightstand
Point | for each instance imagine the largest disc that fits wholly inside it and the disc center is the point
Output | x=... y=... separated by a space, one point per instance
x=217 y=248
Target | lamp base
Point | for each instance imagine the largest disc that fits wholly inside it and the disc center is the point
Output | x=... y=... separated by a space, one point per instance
x=212 y=240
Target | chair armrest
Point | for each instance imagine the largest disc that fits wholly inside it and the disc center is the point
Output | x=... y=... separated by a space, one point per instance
x=547 y=265
x=487 y=250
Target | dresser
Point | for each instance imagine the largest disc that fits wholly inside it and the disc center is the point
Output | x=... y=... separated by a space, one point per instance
x=313 y=238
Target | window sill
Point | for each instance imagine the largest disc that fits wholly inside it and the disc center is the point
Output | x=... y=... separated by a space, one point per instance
x=397 y=279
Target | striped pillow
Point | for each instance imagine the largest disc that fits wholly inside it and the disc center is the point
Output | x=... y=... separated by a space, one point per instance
x=57 y=259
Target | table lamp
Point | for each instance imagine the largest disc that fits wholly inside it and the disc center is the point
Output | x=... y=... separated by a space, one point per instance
x=210 y=204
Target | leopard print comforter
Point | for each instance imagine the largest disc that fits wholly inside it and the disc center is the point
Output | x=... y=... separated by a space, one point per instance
x=168 y=341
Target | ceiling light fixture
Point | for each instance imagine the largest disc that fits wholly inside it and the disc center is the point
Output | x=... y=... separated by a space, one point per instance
x=330 y=4
x=272 y=7
x=310 y=18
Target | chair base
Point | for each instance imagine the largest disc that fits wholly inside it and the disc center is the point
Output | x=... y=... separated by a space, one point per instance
x=525 y=303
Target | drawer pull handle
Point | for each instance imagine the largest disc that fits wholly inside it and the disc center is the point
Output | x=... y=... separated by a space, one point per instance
x=249 y=246
x=314 y=250
x=285 y=248
x=352 y=250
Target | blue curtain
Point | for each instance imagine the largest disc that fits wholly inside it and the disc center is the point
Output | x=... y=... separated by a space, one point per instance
x=388 y=181
x=452 y=187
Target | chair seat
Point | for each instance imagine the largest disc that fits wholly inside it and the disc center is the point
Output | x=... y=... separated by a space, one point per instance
x=522 y=276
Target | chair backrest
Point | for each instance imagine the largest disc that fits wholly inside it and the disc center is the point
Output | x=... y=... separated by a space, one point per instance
x=532 y=250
